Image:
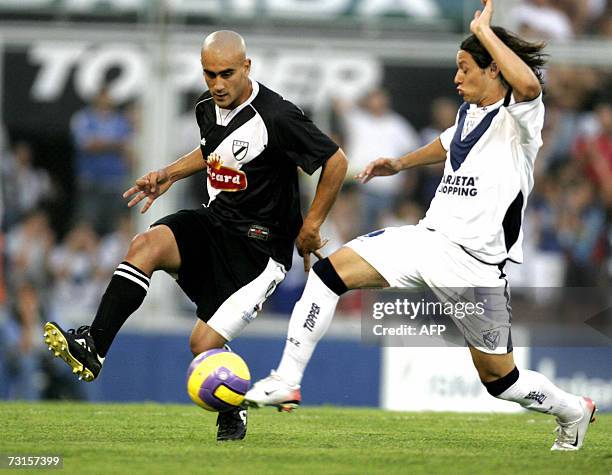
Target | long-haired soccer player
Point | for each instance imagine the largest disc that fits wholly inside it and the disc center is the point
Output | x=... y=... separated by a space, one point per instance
x=471 y=229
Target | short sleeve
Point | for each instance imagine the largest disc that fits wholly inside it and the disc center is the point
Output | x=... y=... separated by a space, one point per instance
x=529 y=116
x=301 y=140
x=446 y=137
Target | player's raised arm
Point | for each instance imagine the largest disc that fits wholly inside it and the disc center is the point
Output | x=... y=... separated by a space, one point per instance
x=516 y=72
x=154 y=184
x=330 y=182
x=427 y=155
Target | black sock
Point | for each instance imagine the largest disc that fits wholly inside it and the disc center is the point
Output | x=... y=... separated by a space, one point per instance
x=328 y=275
x=124 y=294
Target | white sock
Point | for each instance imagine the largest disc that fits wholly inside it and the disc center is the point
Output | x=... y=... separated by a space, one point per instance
x=536 y=392
x=310 y=320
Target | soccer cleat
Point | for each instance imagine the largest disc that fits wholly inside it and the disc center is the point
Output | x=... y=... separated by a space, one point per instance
x=570 y=435
x=76 y=348
x=232 y=425
x=274 y=391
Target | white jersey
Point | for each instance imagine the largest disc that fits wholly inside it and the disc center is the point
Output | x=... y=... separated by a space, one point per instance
x=488 y=175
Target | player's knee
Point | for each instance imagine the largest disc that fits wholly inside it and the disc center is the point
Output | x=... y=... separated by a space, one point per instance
x=140 y=247
x=147 y=250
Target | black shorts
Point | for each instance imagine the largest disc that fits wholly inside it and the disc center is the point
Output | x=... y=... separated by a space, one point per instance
x=215 y=263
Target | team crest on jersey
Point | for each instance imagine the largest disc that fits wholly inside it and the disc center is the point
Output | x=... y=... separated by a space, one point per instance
x=491 y=339
x=240 y=149
x=224 y=178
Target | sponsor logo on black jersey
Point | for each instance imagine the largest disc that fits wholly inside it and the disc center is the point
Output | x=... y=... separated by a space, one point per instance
x=240 y=149
x=312 y=317
x=224 y=178
x=536 y=396
x=259 y=232
x=458 y=185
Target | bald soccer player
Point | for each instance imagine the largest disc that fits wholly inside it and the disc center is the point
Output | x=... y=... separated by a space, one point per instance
x=231 y=253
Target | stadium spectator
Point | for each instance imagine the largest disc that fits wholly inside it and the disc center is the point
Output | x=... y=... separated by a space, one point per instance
x=372 y=128
x=570 y=92
x=443 y=113
x=542 y=19
x=544 y=265
x=75 y=269
x=604 y=27
x=25 y=187
x=28 y=247
x=17 y=343
x=403 y=213
x=113 y=246
x=583 y=14
x=594 y=152
x=102 y=138
x=581 y=233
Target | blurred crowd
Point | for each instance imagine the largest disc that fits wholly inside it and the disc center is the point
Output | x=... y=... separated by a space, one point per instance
x=562 y=19
x=58 y=270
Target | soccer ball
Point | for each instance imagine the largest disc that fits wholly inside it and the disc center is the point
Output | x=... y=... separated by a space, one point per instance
x=217 y=380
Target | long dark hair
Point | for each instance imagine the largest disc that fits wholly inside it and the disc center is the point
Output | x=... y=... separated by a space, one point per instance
x=530 y=53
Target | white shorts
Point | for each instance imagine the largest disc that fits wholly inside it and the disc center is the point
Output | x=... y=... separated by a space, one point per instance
x=411 y=257
x=242 y=306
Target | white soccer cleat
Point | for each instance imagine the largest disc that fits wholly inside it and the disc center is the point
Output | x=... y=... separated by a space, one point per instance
x=274 y=391
x=570 y=435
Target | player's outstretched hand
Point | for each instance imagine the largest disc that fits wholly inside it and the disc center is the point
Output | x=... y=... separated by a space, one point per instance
x=380 y=167
x=482 y=18
x=309 y=242
x=150 y=186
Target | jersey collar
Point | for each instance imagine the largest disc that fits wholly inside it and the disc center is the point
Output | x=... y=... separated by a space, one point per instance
x=224 y=116
x=486 y=109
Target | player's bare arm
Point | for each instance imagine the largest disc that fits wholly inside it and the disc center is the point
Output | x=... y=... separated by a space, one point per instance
x=330 y=182
x=426 y=155
x=525 y=84
x=154 y=184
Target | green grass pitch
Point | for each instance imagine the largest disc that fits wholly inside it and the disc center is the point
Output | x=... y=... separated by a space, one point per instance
x=169 y=439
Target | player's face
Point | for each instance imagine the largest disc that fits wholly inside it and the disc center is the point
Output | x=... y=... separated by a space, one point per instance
x=472 y=82
x=227 y=78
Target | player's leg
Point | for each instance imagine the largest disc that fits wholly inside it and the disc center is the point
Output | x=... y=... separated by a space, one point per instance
x=230 y=300
x=328 y=280
x=204 y=338
x=84 y=349
x=232 y=425
x=536 y=392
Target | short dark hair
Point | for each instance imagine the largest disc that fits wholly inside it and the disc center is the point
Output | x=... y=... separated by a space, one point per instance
x=530 y=53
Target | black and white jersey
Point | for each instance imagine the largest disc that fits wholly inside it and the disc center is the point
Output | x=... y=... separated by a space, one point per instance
x=253 y=152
